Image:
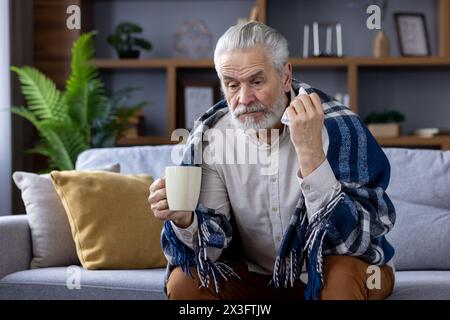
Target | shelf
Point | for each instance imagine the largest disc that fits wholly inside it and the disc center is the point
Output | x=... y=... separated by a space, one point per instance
x=443 y=142
x=152 y=63
x=131 y=63
x=296 y=62
x=367 y=62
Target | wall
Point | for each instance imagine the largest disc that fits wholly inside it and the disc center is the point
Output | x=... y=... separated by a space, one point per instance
x=160 y=21
x=5 y=115
x=379 y=88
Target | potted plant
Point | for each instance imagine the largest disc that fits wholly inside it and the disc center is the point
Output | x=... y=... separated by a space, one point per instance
x=385 y=124
x=125 y=43
x=81 y=117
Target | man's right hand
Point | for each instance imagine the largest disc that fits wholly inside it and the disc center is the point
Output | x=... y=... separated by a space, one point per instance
x=160 y=206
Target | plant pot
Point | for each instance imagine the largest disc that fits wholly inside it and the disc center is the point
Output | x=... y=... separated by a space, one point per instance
x=384 y=130
x=129 y=54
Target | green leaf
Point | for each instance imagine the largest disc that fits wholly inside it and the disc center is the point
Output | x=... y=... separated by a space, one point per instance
x=82 y=117
x=85 y=94
x=144 y=44
x=56 y=151
x=128 y=27
x=73 y=140
x=43 y=99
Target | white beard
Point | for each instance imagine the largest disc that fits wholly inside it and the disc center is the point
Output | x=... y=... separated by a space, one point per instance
x=272 y=116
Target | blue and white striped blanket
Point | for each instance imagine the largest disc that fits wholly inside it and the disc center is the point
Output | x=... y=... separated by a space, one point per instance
x=354 y=223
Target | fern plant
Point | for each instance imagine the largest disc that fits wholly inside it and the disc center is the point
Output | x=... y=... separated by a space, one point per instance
x=72 y=121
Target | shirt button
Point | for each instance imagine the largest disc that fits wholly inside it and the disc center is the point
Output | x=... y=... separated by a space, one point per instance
x=306 y=187
x=273 y=179
x=278 y=238
x=274 y=209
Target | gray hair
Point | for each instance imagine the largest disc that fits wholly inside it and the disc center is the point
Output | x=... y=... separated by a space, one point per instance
x=251 y=34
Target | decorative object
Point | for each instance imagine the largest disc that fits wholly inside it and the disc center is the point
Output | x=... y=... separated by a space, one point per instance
x=412 y=34
x=385 y=124
x=195 y=97
x=133 y=128
x=110 y=219
x=253 y=16
x=381 y=45
x=81 y=117
x=51 y=239
x=428 y=132
x=322 y=37
x=125 y=43
x=193 y=40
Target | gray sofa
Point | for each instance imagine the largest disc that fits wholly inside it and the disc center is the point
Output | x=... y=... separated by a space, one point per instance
x=419 y=188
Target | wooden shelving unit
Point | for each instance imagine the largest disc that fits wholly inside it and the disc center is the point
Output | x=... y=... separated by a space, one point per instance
x=296 y=62
x=352 y=65
x=440 y=142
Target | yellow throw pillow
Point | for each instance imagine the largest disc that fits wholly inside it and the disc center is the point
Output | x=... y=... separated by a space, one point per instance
x=110 y=219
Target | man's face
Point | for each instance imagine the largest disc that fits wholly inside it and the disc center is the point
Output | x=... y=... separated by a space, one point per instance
x=254 y=90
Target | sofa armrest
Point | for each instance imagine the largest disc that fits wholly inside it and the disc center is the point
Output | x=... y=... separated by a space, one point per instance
x=15 y=244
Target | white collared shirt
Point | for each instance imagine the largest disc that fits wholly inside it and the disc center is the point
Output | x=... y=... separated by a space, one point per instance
x=262 y=203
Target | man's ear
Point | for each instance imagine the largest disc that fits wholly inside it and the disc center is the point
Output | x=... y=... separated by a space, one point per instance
x=287 y=77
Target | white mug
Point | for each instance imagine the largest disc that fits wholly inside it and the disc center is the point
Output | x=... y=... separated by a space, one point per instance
x=183 y=187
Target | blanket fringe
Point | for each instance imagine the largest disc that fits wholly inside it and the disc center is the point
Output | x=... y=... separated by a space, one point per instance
x=186 y=258
x=289 y=262
x=304 y=241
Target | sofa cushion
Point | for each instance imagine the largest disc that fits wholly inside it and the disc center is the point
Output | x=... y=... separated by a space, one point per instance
x=51 y=283
x=420 y=190
x=52 y=240
x=151 y=160
x=111 y=221
x=421 y=285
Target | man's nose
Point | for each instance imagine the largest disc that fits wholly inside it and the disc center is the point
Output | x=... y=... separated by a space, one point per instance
x=246 y=95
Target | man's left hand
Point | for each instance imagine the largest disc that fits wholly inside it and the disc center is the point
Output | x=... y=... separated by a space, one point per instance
x=306 y=118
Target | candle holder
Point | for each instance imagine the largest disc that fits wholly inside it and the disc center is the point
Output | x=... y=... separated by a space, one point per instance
x=322 y=39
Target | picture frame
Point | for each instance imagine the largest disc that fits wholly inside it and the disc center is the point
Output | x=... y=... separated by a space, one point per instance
x=194 y=97
x=412 y=34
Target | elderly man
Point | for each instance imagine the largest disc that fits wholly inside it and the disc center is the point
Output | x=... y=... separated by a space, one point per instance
x=323 y=208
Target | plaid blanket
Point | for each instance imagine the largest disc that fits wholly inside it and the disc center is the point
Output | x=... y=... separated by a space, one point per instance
x=354 y=223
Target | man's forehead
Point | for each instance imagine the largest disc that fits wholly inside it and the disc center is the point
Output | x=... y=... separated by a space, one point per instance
x=245 y=75
x=246 y=62
x=243 y=68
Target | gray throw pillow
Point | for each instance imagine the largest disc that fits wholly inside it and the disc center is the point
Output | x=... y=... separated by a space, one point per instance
x=51 y=237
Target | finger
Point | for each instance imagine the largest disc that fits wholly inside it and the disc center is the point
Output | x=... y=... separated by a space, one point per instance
x=299 y=108
x=158 y=184
x=308 y=104
x=162 y=205
x=158 y=195
x=154 y=185
x=162 y=215
x=317 y=102
x=291 y=113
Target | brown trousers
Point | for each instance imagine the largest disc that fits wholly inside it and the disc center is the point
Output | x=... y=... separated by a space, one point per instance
x=345 y=278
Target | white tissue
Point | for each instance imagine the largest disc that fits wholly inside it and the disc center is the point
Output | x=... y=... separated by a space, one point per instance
x=284 y=117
